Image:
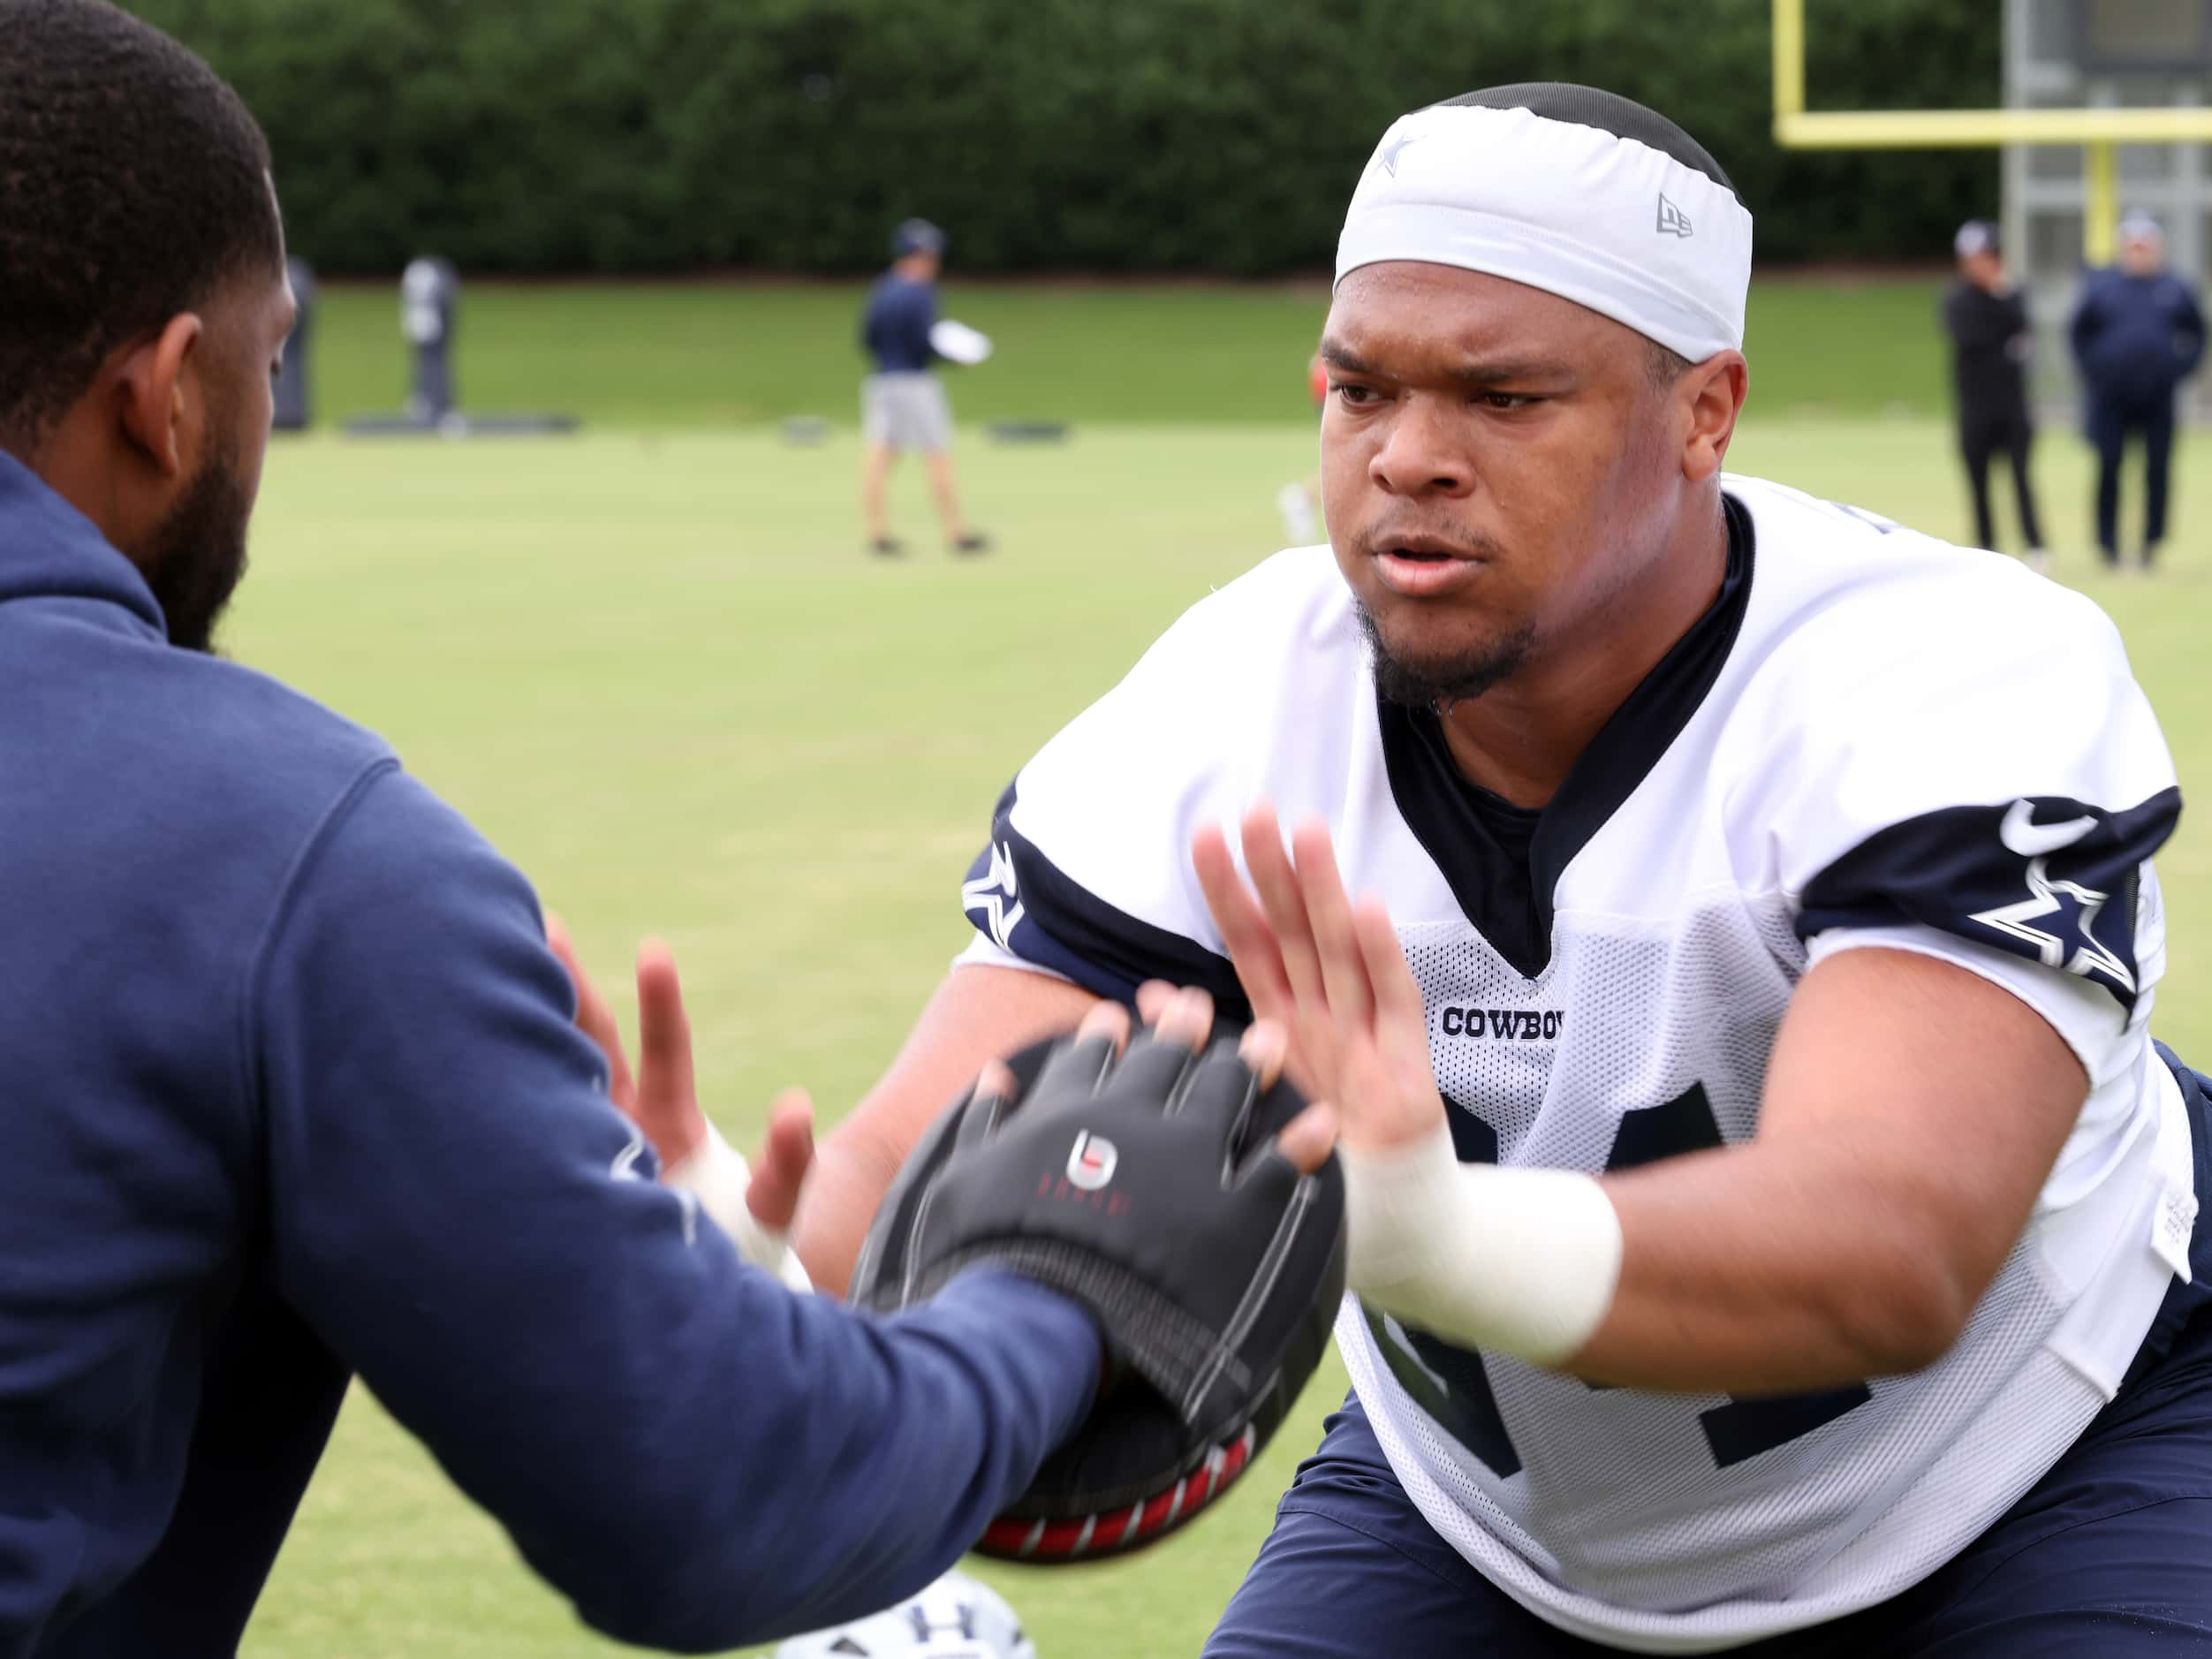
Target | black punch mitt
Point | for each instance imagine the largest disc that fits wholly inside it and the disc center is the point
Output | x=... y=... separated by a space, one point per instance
x=1149 y=1189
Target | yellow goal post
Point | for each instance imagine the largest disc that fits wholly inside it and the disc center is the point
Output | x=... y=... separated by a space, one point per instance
x=2097 y=131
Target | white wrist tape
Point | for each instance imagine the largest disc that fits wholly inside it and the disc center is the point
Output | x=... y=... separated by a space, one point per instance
x=716 y=1173
x=1523 y=1261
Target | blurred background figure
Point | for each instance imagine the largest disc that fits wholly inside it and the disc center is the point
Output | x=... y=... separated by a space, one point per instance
x=429 y=307
x=1985 y=313
x=903 y=406
x=2137 y=335
x=295 y=395
x=1300 y=500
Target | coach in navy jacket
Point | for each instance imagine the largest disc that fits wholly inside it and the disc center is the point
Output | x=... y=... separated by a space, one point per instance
x=2137 y=334
x=292 y=1089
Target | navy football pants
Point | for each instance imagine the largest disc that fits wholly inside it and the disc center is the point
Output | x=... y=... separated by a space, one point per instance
x=2111 y=422
x=2108 y=1557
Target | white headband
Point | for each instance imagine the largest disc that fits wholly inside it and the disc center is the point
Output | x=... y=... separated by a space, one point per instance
x=1607 y=222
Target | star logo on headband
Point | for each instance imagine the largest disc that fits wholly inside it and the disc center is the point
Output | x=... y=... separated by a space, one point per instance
x=1397 y=148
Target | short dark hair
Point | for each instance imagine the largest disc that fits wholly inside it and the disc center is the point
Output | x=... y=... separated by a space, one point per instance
x=133 y=184
x=1607 y=111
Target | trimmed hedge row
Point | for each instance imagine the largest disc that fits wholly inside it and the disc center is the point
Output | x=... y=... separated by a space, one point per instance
x=1203 y=135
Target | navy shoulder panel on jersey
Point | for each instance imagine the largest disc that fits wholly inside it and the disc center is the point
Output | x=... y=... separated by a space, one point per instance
x=2047 y=877
x=1026 y=905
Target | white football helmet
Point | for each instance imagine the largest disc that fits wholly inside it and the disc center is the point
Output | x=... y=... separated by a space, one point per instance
x=957 y=1617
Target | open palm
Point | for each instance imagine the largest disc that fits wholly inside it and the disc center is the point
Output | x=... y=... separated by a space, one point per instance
x=662 y=1096
x=1330 y=971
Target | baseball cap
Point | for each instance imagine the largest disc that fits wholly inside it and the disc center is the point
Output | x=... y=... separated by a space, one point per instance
x=1977 y=236
x=916 y=236
x=2138 y=226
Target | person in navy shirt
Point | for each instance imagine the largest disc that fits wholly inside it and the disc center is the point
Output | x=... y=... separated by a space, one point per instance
x=2138 y=334
x=903 y=406
x=296 y=1088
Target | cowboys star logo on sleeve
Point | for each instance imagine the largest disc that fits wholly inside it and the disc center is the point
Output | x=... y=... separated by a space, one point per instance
x=2054 y=879
x=2055 y=913
x=991 y=895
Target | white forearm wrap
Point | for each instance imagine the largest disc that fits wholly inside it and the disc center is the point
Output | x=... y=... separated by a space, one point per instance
x=716 y=1173
x=1523 y=1261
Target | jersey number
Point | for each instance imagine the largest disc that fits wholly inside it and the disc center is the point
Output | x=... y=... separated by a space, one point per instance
x=1452 y=1386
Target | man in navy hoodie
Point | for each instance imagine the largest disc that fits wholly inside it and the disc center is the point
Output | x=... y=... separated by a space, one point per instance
x=2138 y=334
x=293 y=1088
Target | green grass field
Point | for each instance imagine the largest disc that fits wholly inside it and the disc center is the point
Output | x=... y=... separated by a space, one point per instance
x=655 y=669
x=689 y=355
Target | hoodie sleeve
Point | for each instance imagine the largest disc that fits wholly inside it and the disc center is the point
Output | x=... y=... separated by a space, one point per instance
x=698 y=1457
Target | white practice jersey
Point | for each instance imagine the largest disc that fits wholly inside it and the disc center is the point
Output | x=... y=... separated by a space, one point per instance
x=1873 y=738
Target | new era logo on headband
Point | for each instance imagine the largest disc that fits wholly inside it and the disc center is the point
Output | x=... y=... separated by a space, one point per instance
x=1672 y=220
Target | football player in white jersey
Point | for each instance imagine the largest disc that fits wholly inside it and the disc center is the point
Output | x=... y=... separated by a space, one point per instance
x=1773 y=1226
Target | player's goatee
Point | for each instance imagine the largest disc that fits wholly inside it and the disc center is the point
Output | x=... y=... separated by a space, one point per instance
x=1441 y=682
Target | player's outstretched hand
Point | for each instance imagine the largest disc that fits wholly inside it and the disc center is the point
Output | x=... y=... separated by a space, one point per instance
x=1330 y=971
x=662 y=1096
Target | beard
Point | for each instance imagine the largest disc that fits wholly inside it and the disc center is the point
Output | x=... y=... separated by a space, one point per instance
x=197 y=556
x=1441 y=682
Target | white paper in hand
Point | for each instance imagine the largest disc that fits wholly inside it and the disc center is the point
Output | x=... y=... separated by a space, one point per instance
x=957 y=343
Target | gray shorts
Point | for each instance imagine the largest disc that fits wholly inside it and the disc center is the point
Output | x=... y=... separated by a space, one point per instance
x=907 y=412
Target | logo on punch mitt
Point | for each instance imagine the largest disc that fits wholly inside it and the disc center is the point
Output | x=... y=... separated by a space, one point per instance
x=1090 y=1162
